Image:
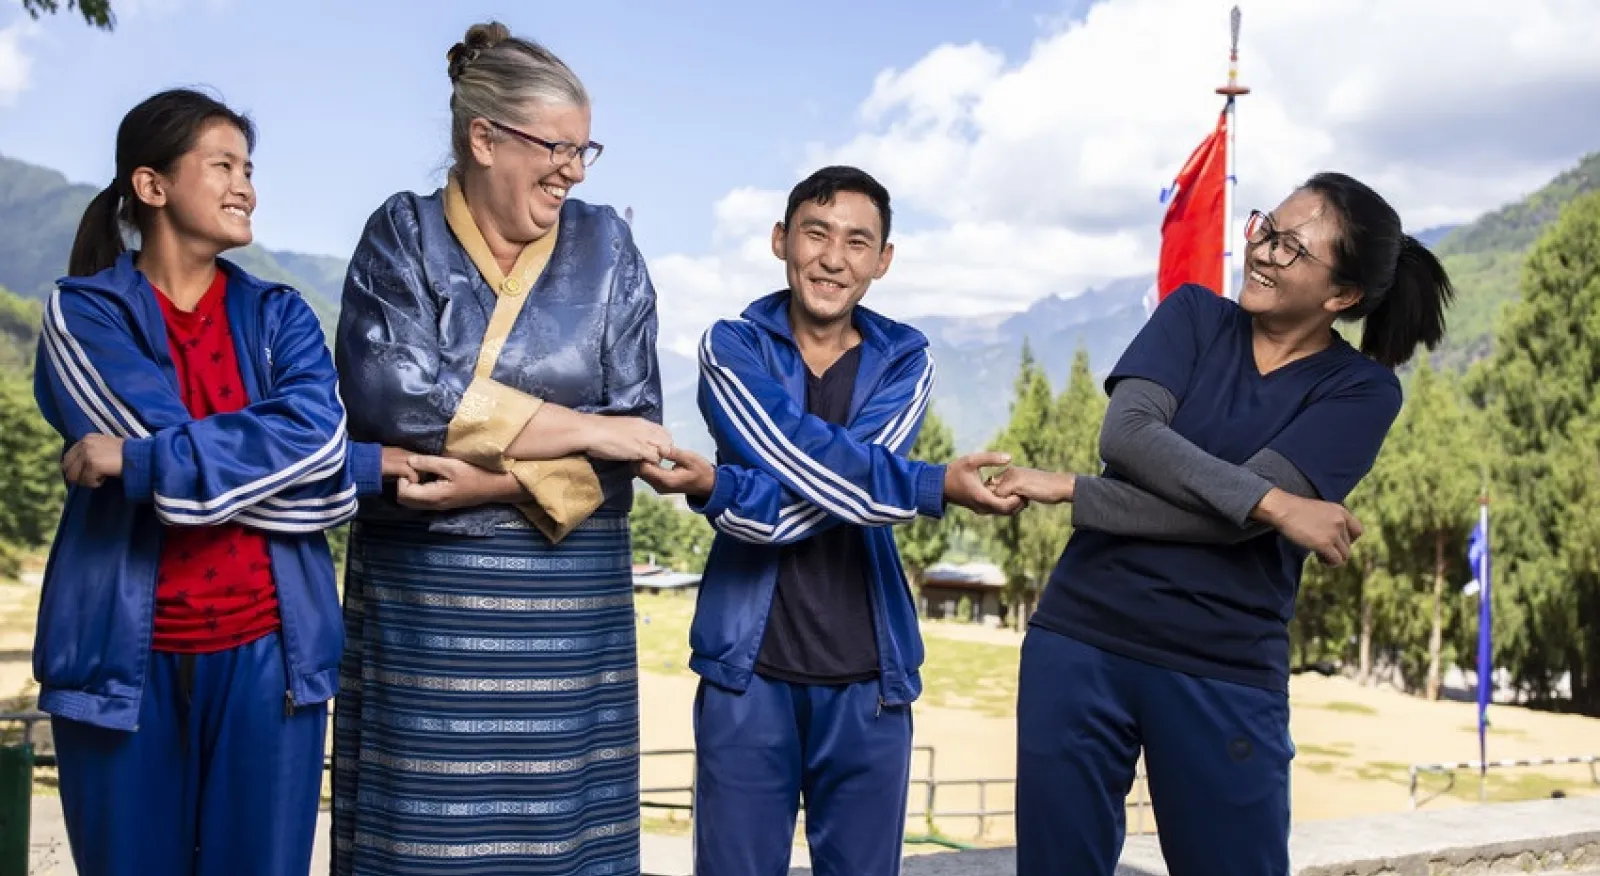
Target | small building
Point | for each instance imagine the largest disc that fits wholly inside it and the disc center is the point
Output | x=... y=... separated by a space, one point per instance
x=653 y=579
x=973 y=592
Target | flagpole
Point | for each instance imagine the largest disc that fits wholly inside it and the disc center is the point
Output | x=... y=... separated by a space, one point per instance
x=1485 y=641
x=1232 y=91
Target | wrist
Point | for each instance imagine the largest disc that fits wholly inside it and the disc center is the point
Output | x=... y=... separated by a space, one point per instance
x=703 y=486
x=505 y=488
x=720 y=496
x=1272 y=508
x=1067 y=487
x=588 y=431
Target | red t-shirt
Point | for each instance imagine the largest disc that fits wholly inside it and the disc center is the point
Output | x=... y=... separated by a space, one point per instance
x=215 y=589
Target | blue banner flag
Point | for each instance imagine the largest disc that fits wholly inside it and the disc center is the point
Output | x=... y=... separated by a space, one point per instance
x=1478 y=562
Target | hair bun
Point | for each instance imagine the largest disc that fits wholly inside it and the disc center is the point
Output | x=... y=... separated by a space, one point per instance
x=478 y=38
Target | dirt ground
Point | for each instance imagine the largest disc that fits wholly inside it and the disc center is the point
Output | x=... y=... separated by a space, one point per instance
x=1355 y=744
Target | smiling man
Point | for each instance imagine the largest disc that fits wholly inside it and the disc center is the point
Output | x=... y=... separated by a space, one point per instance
x=805 y=635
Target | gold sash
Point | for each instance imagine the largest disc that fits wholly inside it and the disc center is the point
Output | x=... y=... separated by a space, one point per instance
x=491 y=415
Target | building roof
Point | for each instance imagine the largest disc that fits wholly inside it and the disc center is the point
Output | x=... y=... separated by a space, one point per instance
x=646 y=575
x=965 y=575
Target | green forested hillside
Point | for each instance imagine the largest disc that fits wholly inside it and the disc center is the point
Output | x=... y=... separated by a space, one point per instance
x=1485 y=260
x=29 y=477
x=19 y=331
x=39 y=213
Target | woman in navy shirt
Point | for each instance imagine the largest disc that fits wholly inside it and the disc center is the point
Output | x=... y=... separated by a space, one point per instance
x=1233 y=433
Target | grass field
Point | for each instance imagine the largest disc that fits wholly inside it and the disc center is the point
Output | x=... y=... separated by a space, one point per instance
x=1354 y=744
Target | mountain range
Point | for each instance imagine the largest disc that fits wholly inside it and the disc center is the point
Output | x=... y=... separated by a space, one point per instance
x=39 y=213
x=976 y=357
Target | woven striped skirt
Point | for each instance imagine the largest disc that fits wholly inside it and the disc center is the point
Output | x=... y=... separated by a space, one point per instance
x=488 y=714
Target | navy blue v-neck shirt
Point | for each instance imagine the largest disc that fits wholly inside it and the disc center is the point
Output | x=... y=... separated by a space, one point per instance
x=1222 y=611
x=819 y=630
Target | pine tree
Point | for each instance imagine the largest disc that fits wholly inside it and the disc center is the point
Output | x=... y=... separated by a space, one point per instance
x=1435 y=477
x=923 y=542
x=1022 y=541
x=1539 y=388
x=30 y=478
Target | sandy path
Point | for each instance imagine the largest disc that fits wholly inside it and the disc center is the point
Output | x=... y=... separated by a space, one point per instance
x=1355 y=743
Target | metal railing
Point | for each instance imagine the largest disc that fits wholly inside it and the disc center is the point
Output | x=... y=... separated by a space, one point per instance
x=28 y=720
x=687 y=806
x=928 y=814
x=1448 y=770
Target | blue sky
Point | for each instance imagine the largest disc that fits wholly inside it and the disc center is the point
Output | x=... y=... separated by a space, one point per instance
x=351 y=98
x=1025 y=142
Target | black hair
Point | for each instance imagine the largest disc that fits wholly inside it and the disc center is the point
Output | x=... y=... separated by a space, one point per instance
x=1404 y=289
x=829 y=181
x=154 y=134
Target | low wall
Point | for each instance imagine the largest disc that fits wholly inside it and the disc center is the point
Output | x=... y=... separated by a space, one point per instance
x=1544 y=836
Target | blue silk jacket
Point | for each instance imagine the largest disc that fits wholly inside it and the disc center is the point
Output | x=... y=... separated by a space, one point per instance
x=415 y=312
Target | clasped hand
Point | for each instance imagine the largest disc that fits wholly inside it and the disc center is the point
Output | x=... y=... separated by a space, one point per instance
x=93 y=459
x=965 y=484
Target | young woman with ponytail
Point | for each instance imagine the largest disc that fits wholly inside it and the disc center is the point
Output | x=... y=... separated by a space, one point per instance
x=1233 y=434
x=189 y=635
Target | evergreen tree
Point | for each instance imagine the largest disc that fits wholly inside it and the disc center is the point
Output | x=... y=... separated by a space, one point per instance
x=1023 y=540
x=30 y=478
x=1434 y=474
x=671 y=537
x=1539 y=389
x=924 y=541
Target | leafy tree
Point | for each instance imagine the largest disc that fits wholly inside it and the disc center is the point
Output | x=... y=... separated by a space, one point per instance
x=1080 y=410
x=1058 y=434
x=675 y=538
x=924 y=541
x=1539 y=389
x=1434 y=478
x=96 y=12
x=20 y=319
x=339 y=545
x=1030 y=542
x=30 y=476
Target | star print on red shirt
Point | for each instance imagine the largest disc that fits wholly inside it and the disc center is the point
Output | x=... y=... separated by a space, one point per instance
x=214 y=589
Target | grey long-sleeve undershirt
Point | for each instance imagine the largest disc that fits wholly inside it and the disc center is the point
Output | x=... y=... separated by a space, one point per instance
x=1194 y=496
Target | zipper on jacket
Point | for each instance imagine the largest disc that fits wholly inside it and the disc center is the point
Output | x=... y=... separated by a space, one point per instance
x=288 y=704
x=879 y=713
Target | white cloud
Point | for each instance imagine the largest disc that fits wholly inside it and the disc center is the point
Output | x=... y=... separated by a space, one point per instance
x=15 y=65
x=1041 y=174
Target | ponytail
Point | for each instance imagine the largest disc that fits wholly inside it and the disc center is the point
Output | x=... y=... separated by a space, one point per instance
x=154 y=134
x=1404 y=289
x=99 y=239
x=1411 y=311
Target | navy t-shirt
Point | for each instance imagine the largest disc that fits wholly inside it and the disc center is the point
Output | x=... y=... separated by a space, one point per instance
x=819 y=630
x=1222 y=611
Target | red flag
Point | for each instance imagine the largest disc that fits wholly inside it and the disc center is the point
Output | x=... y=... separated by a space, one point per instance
x=1192 y=233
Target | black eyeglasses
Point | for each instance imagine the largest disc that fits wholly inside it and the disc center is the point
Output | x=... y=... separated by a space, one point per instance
x=1260 y=229
x=561 y=151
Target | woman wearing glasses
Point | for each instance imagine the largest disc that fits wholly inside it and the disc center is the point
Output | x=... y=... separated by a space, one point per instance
x=488 y=714
x=1233 y=433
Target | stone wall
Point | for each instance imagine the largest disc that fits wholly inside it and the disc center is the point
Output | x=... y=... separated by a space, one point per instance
x=1544 y=836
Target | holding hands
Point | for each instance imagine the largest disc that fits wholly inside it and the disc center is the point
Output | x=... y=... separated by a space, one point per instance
x=691 y=474
x=625 y=439
x=695 y=476
x=965 y=485
x=1034 y=485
